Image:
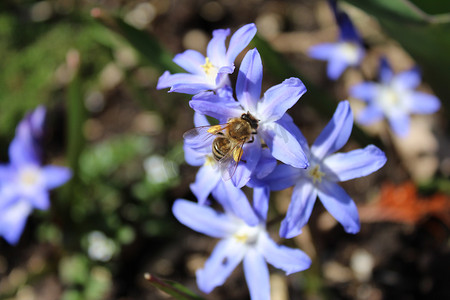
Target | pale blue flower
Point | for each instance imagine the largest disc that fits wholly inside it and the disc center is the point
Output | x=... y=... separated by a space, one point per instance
x=394 y=98
x=321 y=177
x=275 y=127
x=24 y=182
x=239 y=242
x=347 y=51
x=210 y=72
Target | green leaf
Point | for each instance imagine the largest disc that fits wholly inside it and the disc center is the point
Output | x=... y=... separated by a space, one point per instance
x=175 y=289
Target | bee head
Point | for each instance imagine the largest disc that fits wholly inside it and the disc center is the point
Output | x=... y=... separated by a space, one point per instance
x=250 y=119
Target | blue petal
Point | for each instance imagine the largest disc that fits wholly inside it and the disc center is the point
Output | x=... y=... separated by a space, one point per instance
x=216 y=50
x=283 y=144
x=279 y=98
x=203 y=219
x=13 y=221
x=400 y=124
x=356 y=163
x=206 y=180
x=22 y=152
x=336 y=66
x=192 y=87
x=347 y=30
x=408 y=80
x=282 y=177
x=282 y=257
x=385 y=72
x=422 y=103
x=266 y=164
x=299 y=210
x=194 y=157
x=339 y=204
x=370 y=114
x=248 y=84
x=251 y=155
x=219 y=109
x=7 y=172
x=184 y=83
x=223 y=260
x=55 y=176
x=365 y=91
x=261 y=201
x=334 y=136
x=39 y=199
x=191 y=61
x=240 y=39
x=257 y=275
x=234 y=200
x=322 y=51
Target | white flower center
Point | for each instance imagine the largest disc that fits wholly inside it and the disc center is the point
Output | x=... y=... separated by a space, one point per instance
x=350 y=51
x=316 y=174
x=247 y=235
x=30 y=177
x=390 y=100
x=210 y=70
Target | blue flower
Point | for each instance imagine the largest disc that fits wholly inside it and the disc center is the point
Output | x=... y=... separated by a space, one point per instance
x=394 y=98
x=275 y=128
x=209 y=180
x=24 y=183
x=239 y=242
x=347 y=51
x=325 y=170
x=210 y=72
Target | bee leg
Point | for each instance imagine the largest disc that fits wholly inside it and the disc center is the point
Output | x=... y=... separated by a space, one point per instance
x=251 y=140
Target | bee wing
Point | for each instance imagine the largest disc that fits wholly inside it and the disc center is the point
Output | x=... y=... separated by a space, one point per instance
x=229 y=163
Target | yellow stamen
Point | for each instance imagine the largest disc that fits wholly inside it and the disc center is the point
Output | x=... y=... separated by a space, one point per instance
x=241 y=238
x=208 y=66
x=316 y=174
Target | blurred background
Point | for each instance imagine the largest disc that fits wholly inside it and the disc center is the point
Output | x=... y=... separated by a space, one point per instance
x=95 y=65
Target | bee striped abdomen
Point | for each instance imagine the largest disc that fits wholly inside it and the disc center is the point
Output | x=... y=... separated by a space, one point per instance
x=220 y=148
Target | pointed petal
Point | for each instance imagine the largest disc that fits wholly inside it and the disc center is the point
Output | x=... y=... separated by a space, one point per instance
x=22 y=152
x=283 y=145
x=6 y=173
x=385 y=72
x=194 y=157
x=400 y=124
x=240 y=39
x=336 y=66
x=282 y=257
x=339 y=204
x=322 y=51
x=282 y=177
x=407 y=79
x=39 y=200
x=191 y=61
x=223 y=260
x=370 y=114
x=218 y=109
x=14 y=218
x=302 y=203
x=206 y=180
x=248 y=84
x=261 y=201
x=244 y=171
x=216 y=50
x=184 y=83
x=334 y=136
x=202 y=219
x=279 y=98
x=55 y=176
x=354 y=164
x=422 y=103
x=257 y=275
x=234 y=200
x=266 y=164
x=365 y=91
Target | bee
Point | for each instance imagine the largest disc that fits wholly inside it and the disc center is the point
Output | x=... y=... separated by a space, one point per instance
x=229 y=139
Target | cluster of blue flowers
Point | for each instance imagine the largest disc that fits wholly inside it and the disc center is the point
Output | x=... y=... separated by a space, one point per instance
x=275 y=157
x=393 y=97
x=25 y=182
